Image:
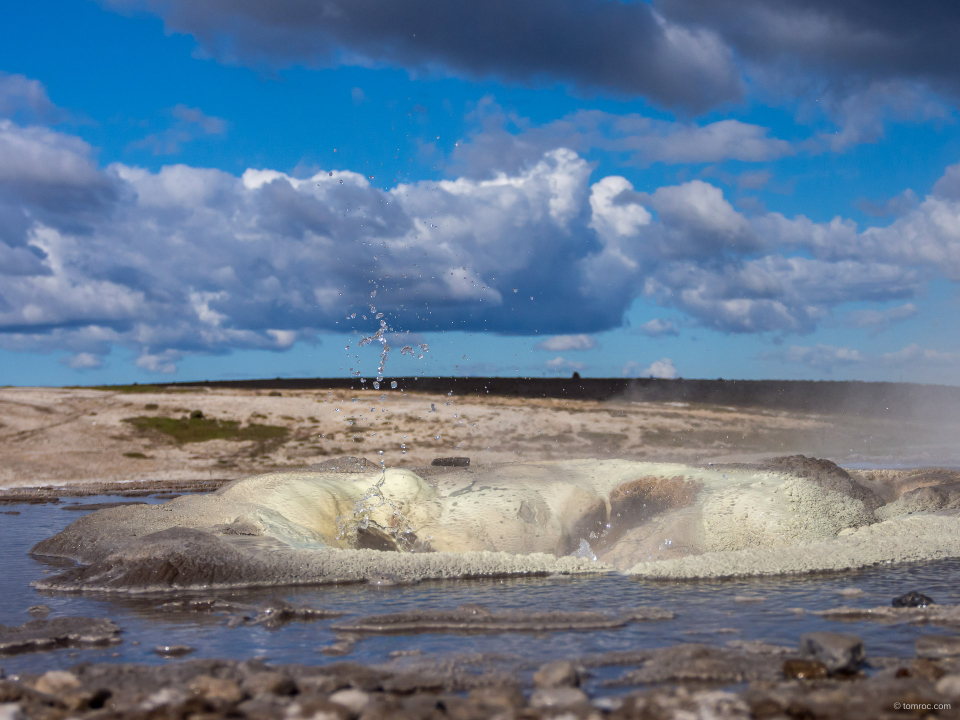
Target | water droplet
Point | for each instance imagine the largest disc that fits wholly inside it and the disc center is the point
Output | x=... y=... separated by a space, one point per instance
x=373 y=294
x=531 y=297
x=450 y=393
x=514 y=289
x=393 y=384
x=330 y=173
x=376 y=385
x=341 y=182
x=406 y=350
x=379 y=452
x=438 y=437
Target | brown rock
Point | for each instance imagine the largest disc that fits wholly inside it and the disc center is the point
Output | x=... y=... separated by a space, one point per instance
x=269 y=682
x=804 y=669
x=219 y=692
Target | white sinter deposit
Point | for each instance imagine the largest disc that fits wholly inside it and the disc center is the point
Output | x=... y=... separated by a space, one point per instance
x=655 y=520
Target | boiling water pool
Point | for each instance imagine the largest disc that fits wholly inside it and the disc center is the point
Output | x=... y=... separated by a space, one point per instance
x=711 y=612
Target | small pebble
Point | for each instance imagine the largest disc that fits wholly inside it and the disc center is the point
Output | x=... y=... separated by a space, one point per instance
x=173 y=651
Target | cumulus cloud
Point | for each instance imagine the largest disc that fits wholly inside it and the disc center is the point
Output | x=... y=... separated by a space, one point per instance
x=565 y=343
x=658 y=328
x=194 y=260
x=83 y=361
x=623 y=47
x=663 y=369
x=503 y=141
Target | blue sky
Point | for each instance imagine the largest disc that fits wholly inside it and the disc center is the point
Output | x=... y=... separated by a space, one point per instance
x=214 y=190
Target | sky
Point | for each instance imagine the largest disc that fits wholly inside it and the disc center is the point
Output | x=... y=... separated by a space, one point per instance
x=680 y=188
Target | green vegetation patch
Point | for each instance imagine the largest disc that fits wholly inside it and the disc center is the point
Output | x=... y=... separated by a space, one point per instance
x=201 y=429
x=134 y=389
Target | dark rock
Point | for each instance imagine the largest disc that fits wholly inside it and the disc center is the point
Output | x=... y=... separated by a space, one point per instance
x=451 y=462
x=177 y=557
x=38 y=611
x=41 y=634
x=559 y=673
x=912 y=599
x=173 y=651
x=937 y=646
x=276 y=613
x=839 y=652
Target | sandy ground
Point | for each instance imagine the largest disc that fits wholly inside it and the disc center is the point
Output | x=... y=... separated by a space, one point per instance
x=60 y=436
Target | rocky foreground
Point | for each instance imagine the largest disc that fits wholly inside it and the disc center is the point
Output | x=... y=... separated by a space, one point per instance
x=827 y=677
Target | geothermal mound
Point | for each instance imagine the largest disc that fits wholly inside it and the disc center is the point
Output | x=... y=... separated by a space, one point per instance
x=349 y=522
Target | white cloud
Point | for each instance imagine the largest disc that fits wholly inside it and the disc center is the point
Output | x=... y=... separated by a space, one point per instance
x=823 y=357
x=565 y=343
x=559 y=364
x=502 y=140
x=83 y=361
x=196 y=260
x=913 y=354
x=658 y=328
x=663 y=369
x=881 y=319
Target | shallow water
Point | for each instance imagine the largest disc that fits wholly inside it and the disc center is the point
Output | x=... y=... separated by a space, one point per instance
x=711 y=612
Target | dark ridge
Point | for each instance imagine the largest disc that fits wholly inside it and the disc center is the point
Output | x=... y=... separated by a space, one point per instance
x=874 y=399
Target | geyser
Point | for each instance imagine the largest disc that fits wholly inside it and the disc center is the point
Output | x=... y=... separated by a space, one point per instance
x=324 y=525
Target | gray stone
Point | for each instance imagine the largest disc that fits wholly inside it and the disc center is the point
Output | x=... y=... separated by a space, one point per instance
x=937 y=646
x=11 y=711
x=840 y=652
x=560 y=673
x=559 y=697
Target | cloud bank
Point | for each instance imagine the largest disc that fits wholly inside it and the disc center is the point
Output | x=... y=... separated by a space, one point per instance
x=196 y=260
x=627 y=48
